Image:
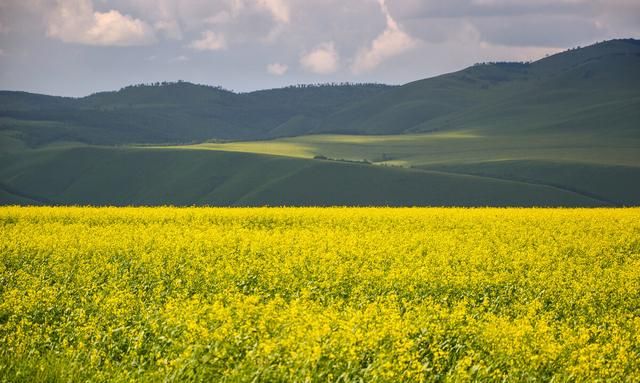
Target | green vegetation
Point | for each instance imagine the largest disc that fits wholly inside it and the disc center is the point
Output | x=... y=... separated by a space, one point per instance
x=619 y=185
x=148 y=176
x=560 y=131
x=593 y=89
x=174 y=113
x=603 y=168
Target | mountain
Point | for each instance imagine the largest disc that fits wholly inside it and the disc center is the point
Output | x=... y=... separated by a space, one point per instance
x=174 y=112
x=560 y=131
x=592 y=88
x=581 y=89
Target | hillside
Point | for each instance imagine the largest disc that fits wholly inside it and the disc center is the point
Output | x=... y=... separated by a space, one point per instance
x=604 y=168
x=596 y=88
x=173 y=112
x=561 y=131
x=116 y=176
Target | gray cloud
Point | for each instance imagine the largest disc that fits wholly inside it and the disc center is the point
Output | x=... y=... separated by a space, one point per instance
x=551 y=31
x=541 y=23
x=487 y=8
x=74 y=47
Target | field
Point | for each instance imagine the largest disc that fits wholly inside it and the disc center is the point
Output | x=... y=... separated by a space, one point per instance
x=319 y=295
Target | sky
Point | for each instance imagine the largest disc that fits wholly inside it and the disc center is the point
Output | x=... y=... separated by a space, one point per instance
x=78 y=47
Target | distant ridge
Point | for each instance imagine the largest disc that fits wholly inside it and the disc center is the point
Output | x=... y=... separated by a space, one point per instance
x=176 y=112
x=604 y=75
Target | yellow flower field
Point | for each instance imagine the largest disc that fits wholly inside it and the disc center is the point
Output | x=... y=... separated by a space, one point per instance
x=319 y=294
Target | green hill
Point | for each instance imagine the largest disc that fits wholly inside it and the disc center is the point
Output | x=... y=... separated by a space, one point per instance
x=119 y=176
x=561 y=131
x=594 y=89
x=605 y=168
x=174 y=112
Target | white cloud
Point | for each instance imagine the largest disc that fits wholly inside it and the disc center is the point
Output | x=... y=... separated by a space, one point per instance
x=279 y=10
x=391 y=42
x=209 y=41
x=277 y=69
x=75 y=21
x=322 y=60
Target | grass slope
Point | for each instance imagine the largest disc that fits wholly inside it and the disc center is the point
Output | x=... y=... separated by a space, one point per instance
x=174 y=112
x=619 y=185
x=123 y=176
x=591 y=90
x=604 y=168
x=562 y=130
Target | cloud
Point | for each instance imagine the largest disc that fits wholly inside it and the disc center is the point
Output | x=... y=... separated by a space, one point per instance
x=277 y=69
x=75 y=21
x=446 y=35
x=551 y=31
x=222 y=17
x=322 y=60
x=516 y=23
x=392 y=42
x=180 y=58
x=3 y=28
x=209 y=41
x=484 y=8
x=279 y=10
x=169 y=28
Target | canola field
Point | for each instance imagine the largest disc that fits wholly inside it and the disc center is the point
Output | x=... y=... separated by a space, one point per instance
x=319 y=295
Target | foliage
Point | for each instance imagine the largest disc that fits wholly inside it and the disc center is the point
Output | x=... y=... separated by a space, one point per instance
x=561 y=131
x=342 y=294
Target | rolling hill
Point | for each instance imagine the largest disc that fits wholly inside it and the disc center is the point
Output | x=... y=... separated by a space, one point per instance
x=592 y=89
x=173 y=112
x=561 y=131
x=124 y=176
